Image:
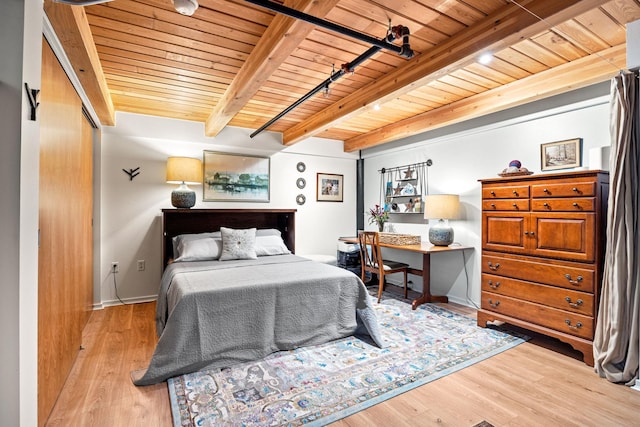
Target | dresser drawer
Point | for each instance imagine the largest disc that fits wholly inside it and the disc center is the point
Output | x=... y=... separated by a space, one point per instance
x=551 y=272
x=564 y=189
x=560 y=320
x=506 y=205
x=583 y=204
x=565 y=299
x=505 y=192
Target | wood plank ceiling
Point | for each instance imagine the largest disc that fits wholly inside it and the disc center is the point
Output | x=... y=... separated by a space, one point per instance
x=238 y=64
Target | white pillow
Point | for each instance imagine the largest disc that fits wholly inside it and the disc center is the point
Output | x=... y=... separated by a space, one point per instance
x=178 y=240
x=199 y=249
x=268 y=232
x=270 y=245
x=238 y=244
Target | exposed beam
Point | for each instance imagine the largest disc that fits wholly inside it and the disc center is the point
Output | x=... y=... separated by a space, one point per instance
x=499 y=30
x=281 y=38
x=72 y=28
x=572 y=75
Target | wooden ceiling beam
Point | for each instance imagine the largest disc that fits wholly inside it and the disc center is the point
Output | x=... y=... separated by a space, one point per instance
x=499 y=30
x=281 y=38
x=72 y=29
x=569 y=76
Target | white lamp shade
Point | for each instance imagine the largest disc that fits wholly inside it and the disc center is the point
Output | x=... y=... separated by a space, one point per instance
x=441 y=206
x=184 y=169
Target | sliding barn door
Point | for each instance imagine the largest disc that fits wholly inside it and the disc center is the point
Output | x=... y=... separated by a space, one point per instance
x=65 y=288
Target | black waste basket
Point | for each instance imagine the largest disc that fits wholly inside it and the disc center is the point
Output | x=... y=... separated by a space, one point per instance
x=348 y=257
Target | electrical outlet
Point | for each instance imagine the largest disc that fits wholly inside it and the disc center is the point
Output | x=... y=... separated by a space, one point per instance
x=141 y=265
x=115 y=267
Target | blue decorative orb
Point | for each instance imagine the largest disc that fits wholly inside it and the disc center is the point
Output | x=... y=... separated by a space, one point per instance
x=515 y=163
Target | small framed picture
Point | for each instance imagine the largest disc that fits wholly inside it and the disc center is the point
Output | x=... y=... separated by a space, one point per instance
x=329 y=187
x=235 y=178
x=561 y=154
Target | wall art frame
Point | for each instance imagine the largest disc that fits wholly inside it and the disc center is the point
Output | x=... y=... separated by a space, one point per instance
x=329 y=187
x=561 y=154
x=235 y=177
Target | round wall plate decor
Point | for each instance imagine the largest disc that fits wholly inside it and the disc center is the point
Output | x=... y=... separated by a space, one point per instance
x=301 y=167
x=301 y=183
x=300 y=199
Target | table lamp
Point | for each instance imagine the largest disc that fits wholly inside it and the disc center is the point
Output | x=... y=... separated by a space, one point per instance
x=183 y=171
x=442 y=207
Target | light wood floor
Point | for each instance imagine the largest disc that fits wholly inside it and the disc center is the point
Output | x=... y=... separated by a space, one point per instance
x=541 y=382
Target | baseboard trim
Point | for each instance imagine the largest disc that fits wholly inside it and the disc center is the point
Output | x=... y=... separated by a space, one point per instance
x=116 y=302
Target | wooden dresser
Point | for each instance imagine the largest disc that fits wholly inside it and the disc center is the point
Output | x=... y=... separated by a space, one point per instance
x=542 y=252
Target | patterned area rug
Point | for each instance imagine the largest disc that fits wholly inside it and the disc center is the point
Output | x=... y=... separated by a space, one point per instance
x=317 y=385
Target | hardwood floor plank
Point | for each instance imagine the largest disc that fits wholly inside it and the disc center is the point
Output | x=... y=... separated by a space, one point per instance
x=541 y=382
x=99 y=391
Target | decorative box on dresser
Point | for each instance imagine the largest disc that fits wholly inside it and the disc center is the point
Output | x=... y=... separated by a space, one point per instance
x=543 y=239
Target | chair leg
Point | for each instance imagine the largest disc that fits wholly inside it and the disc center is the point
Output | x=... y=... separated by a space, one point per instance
x=380 y=287
x=405 y=284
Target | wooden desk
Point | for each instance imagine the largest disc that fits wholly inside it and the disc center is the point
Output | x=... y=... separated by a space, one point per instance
x=426 y=249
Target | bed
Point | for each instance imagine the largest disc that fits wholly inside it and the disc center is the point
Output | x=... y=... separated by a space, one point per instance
x=213 y=313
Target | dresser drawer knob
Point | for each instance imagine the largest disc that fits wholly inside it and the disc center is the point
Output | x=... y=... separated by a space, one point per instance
x=545 y=191
x=515 y=192
x=546 y=205
x=493 y=205
x=576 y=205
x=493 y=193
x=494 y=267
x=576 y=327
x=494 y=285
x=515 y=205
x=575 y=190
x=574 y=304
x=573 y=282
x=493 y=304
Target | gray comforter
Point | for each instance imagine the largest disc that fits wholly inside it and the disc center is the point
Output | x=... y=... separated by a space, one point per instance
x=218 y=313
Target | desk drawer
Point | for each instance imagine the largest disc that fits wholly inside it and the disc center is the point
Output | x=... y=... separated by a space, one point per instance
x=560 y=320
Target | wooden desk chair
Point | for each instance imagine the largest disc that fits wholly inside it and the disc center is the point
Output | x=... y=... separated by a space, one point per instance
x=372 y=261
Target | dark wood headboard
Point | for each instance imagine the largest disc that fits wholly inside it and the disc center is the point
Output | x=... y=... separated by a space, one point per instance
x=186 y=221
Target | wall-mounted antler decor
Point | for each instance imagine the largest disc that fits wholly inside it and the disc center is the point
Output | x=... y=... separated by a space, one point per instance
x=132 y=172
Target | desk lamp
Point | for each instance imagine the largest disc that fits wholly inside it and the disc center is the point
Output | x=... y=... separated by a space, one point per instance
x=183 y=171
x=442 y=207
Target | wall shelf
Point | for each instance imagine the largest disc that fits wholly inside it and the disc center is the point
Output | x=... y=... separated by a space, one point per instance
x=402 y=188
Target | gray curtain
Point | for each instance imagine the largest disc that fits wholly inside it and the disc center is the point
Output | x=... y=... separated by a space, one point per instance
x=617 y=335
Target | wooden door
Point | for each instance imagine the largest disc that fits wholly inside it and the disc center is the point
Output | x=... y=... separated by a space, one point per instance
x=65 y=282
x=564 y=235
x=505 y=231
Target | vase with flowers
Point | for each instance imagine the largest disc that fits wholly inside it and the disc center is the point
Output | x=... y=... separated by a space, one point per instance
x=378 y=215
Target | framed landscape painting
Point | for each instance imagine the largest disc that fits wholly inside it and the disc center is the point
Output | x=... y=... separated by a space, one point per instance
x=329 y=187
x=561 y=155
x=235 y=178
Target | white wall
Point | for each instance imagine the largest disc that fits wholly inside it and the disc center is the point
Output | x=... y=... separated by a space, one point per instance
x=130 y=211
x=20 y=50
x=462 y=156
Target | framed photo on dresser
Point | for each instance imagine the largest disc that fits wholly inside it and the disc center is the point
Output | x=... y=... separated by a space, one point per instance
x=561 y=154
